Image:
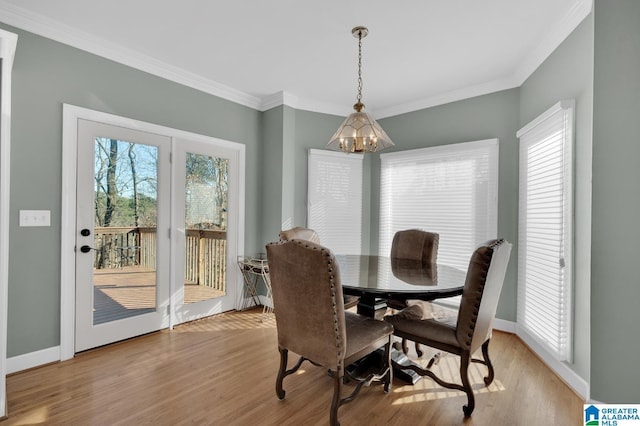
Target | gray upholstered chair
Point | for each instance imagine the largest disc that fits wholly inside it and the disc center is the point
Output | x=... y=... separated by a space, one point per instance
x=308 y=234
x=311 y=320
x=471 y=330
x=415 y=244
x=418 y=246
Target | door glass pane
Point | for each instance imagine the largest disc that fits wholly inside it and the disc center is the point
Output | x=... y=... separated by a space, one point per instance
x=206 y=191
x=125 y=221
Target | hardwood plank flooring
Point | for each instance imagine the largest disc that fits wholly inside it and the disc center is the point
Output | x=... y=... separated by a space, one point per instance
x=222 y=370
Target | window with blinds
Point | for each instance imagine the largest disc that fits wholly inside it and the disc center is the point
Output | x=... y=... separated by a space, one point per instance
x=448 y=189
x=334 y=200
x=545 y=230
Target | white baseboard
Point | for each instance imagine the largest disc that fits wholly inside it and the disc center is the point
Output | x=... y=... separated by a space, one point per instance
x=570 y=377
x=33 y=359
x=504 y=325
x=566 y=374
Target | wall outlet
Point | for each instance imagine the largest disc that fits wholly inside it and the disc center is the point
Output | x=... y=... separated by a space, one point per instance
x=35 y=217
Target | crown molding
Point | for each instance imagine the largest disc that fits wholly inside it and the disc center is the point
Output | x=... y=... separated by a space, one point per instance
x=57 y=31
x=277 y=99
x=54 y=30
x=325 y=107
x=578 y=12
x=448 y=97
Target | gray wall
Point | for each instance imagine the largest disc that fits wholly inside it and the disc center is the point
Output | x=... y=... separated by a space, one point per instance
x=615 y=288
x=271 y=182
x=47 y=74
x=568 y=74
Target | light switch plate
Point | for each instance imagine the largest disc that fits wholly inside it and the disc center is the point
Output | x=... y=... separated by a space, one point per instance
x=35 y=217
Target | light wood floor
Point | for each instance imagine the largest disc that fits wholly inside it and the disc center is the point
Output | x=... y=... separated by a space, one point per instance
x=222 y=370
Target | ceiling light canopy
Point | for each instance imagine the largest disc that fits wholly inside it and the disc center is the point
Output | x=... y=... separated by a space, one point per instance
x=359 y=132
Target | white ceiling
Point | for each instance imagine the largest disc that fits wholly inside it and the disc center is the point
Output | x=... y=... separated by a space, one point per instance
x=261 y=53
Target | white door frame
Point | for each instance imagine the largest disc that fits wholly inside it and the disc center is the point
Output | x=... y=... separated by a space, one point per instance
x=8 y=43
x=71 y=114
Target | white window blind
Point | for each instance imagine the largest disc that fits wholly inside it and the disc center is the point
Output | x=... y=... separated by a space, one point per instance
x=545 y=230
x=334 y=200
x=448 y=189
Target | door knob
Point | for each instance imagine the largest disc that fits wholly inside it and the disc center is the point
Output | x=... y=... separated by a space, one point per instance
x=85 y=232
x=86 y=249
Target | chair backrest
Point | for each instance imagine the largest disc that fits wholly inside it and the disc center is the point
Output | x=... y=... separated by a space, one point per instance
x=308 y=301
x=299 y=233
x=485 y=276
x=415 y=244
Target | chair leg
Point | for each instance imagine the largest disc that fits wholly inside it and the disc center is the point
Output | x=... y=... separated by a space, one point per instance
x=284 y=354
x=387 y=364
x=283 y=372
x=336 y=401
x=465 y=359
x=418 y=350
x=485 y=354
x=405 y=347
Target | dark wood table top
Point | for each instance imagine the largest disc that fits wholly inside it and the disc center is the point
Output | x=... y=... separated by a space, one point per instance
x=399 y=279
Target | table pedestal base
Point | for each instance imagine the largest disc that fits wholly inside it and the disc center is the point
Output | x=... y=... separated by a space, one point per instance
x=372 y=307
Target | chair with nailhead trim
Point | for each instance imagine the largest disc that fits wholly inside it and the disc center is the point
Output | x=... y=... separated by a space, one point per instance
x=308 y=234
x=311 y=320
x=413 y=245
x=473 y=325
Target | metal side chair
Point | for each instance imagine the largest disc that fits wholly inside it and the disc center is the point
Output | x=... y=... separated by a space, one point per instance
x=311 y=320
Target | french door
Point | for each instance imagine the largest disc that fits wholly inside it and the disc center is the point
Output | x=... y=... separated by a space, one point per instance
x=157 y=230
x=122 y=233
x=205 y=179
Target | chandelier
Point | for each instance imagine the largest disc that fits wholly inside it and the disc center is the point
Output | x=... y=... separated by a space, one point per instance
x=359 y=132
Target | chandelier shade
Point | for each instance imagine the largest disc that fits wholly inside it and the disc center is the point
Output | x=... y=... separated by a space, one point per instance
x=359 y=132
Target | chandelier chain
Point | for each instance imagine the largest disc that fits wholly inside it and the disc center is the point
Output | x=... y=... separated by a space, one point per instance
x=359 y=98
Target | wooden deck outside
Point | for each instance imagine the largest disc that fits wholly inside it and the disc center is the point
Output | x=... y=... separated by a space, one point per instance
x=130 y=291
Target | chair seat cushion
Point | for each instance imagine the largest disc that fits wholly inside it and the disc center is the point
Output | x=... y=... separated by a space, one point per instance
x=362 y=331
x=414 y=324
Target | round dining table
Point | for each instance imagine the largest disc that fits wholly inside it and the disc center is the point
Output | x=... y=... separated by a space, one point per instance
x=377 y=279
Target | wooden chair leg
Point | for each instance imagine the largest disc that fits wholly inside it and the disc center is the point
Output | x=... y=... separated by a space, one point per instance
x=336 y=400
x=465 y=359
x=485 y=354
x=418 y=350
x=284 y=354
x=387 y=364
x=283 y=372
x=405 y=347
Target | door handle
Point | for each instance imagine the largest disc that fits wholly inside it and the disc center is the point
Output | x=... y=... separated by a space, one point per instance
x=86 y=249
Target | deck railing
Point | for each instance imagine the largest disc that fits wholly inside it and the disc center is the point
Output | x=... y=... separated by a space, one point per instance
x=205 y=252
